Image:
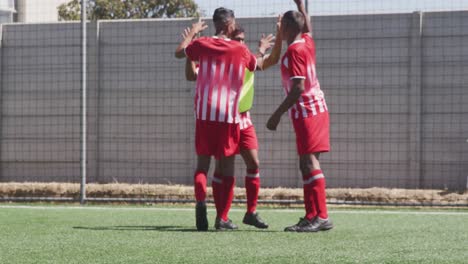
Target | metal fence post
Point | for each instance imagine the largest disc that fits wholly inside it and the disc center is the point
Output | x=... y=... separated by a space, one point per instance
x=1 y=95
x=83 y=103
x=415 y=101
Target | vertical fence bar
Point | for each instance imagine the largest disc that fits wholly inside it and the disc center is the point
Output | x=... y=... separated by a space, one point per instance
x=83 y=103
x=415 y=101
x=1 y=96
x=97 y=167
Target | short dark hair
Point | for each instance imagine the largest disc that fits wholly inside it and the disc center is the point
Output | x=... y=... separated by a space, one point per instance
x=239 y=30
x=294 y=20
x=221 y=17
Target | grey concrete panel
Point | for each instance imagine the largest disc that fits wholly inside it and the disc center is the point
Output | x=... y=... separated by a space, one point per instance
x=445 y=24
x=32 y=150
x=41 y=171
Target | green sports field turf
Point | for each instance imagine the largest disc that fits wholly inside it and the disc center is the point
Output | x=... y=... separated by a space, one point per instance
x=130 y=234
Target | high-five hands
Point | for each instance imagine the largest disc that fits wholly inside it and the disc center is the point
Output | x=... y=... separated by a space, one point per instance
x=265 y=43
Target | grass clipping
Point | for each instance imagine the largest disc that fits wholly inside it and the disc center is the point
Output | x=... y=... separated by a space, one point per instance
x=180 y=192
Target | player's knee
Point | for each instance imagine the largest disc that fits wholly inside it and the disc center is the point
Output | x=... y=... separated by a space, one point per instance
x=203 y=167
x=203 y=163
x=306 y=167
x=302 y=167
x=254 y=164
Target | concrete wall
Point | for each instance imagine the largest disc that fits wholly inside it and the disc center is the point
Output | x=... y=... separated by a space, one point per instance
x=395 y=86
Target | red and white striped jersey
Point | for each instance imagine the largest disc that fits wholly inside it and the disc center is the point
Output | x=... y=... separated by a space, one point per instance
x=245 y=120
x=299 y=62
x=222 y=64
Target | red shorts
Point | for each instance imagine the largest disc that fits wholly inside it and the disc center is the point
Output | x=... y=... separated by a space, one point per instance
x=248 y=138
x=312 y=134
x=216 y=139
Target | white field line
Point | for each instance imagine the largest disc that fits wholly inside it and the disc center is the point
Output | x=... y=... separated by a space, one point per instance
x=357 y=211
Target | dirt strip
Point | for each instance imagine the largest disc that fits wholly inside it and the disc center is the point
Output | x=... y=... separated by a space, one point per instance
x=174 y=192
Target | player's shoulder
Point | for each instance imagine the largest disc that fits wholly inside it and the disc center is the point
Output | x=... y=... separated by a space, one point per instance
x=241 y=48
x=301 y=46
x=307 y=36
x=297 y=49
x=202 y=40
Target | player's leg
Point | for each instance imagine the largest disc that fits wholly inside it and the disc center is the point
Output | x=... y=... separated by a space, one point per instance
x=315 y=203
x=223 y=191
x=218 y=190
x=249 y=153
x=312 y=138
x=307 y=164
x=252 y=178
x=200 y=177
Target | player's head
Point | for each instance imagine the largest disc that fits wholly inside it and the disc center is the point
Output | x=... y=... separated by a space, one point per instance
x=224 y=21
x=239 y=34
x=292 y=24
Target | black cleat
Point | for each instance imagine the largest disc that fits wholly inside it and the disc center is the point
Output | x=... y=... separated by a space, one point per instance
x=317 y=224
x=200 y=216
x=222 y=225
x=294 y=228
x=254 y=219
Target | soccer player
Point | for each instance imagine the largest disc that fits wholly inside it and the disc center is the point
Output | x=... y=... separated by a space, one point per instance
x=309 y=113
x=248 y=137
x=219 y=85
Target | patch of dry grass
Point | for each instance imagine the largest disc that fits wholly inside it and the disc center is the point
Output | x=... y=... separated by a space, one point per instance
x=158 y=191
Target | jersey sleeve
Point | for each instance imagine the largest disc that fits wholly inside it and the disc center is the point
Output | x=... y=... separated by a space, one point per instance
x=250 y=60
x=307 y=36
x=297 y=66
x=194 y=49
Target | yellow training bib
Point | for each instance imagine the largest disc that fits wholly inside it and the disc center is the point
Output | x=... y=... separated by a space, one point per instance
x=247 y=94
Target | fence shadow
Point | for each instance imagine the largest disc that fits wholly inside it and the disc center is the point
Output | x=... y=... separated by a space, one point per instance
x=138 y=228
x=160 y=228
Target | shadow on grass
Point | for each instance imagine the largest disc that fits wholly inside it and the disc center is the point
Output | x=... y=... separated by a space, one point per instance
x=138 y=228
x=160 y=228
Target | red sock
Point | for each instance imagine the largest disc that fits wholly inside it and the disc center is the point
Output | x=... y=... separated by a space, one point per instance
x=252 y=187
x=200 y=185
x=218 y=191
x=318 y=191
x=309 y=203
x=228 y=187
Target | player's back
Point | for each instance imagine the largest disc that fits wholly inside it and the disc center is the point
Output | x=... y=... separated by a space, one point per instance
x=222 y=64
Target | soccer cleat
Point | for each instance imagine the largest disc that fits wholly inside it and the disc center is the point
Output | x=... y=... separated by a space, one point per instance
x=254 y=219
x=222 y=225
x=302 y=222
x=200 y=216
x=317 y=224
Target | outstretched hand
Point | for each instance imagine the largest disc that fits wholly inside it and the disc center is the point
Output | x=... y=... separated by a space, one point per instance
x=186 y=33
x=265 y=43
x=199 y=26
x=278 y=26
x=278 y=22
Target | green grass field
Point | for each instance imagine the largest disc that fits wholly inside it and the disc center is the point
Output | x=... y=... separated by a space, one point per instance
x=131 y=234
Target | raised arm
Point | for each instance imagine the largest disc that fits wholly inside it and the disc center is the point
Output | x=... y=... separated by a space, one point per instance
x=264 y=44
x=273 y=58
x=302 y=9
x=190 y=70
x=196 y=28
x=190 y=66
